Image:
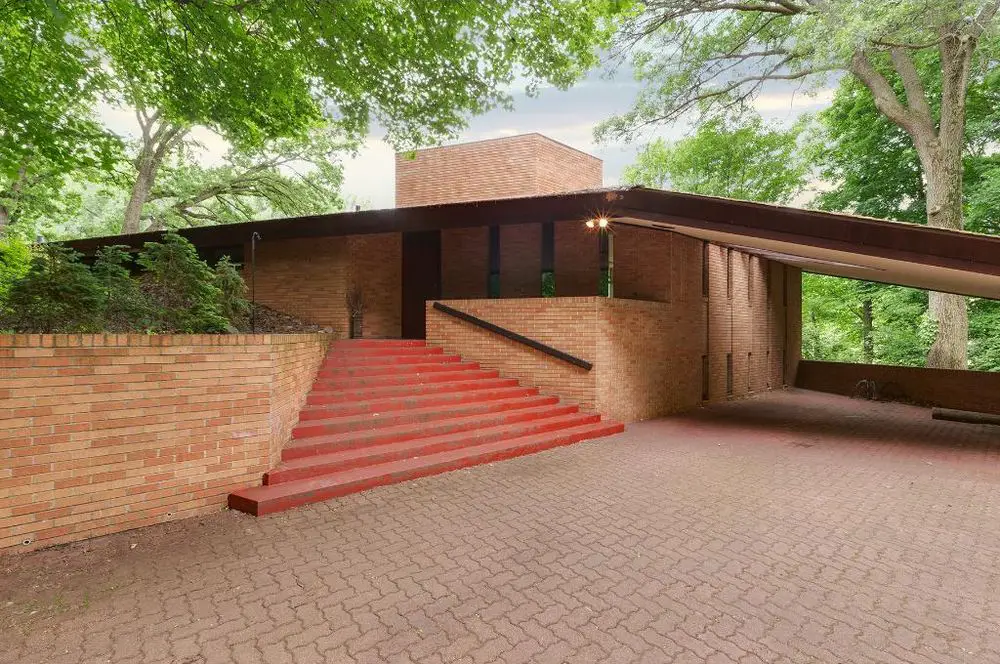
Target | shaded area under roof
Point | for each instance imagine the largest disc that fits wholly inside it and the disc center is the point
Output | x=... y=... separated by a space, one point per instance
x=825 y=243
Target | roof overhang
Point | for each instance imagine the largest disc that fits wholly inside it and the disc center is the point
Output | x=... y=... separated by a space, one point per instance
x=834 y=244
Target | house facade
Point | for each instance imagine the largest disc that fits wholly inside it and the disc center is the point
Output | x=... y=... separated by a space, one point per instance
x=668 y=321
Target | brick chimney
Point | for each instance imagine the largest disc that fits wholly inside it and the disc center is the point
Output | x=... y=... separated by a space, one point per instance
x=525 y=165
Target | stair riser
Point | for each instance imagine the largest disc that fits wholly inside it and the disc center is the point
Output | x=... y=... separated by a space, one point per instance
x=471 y=438
x=262 y=508
x=325 y=385
x=309 y=430
x=383 y=370
x=405 y=403
x=374 y=437
x=351 y=344
x=336 y=353
x=366 y=394
x=333 y=363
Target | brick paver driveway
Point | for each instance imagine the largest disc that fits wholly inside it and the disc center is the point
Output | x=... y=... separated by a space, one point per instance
x=790 y=528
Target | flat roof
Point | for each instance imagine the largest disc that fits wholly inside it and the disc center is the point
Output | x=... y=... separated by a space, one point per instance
x=822 y=242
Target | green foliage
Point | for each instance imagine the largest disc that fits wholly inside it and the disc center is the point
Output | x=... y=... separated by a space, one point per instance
x=58 y=294
x=548 y=284
x=127 y=307
x=232 y=291
x=747 y=160
x=833 y=322
x=15 y=259
x=182 y=287
x=984 y=334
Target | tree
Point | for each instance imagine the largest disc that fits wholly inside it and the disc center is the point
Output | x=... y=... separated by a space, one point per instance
x=715 y=56
x=873 y=169
x=748 y=161
x=269 y=69
x=50 y=82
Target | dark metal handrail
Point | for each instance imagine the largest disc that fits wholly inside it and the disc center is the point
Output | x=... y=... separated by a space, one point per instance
x=514 y=336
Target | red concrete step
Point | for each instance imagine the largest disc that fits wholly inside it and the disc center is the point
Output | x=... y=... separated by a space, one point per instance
x=347 y=360
x=298 y=469
x=415 y=416
x=316 y=445
x=376 y=343
x=396 y=403
x=382 y=350
x=340 y=373
x=347 y=394
x=274 y=498
x=331 y=385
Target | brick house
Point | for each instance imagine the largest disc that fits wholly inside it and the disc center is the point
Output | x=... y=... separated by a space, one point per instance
x=705 y=292
x=513 y=305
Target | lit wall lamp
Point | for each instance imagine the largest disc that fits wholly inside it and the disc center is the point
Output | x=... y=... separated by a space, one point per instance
x=599 y=222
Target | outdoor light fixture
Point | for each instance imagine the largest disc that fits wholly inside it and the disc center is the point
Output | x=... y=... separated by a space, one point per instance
x=590 y=223
x=602 y=222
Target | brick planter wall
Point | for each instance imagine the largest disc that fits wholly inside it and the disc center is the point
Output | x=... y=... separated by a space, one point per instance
x=948 y=388
x=103 y=433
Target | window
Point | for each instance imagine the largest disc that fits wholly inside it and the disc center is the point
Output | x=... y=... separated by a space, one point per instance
x=704 y=378
x=729 y=374
x=704 y=269
x=493 y=278
x=548 y=259
x=606 y=287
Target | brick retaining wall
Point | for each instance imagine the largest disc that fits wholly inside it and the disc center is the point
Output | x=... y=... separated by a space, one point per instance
x=948 y=388
x=104 y=433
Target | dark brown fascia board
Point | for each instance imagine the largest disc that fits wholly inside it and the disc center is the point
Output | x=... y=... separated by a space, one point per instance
x=900 y=241
x=577 y=206
x=858 y=235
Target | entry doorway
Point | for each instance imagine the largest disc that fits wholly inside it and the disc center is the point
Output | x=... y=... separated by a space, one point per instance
x=421 y=279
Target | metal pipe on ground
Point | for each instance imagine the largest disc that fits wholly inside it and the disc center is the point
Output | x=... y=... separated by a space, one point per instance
x=967 y=416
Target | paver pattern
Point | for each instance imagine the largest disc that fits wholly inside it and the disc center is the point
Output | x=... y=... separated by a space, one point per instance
x=794 y=527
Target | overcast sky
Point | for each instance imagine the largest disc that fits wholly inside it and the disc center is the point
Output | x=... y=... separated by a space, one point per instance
x=568 y=116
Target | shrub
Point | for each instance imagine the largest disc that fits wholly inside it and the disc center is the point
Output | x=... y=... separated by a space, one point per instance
x=127 y=307
x=232 y=291
x=57 y=294
x=181 y=287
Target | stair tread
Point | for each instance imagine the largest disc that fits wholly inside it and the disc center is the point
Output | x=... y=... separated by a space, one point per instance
x=403 y=466
x=306 y=446
x=570 y=419
x=438 y=387
x=401 y=403
x=443 y=411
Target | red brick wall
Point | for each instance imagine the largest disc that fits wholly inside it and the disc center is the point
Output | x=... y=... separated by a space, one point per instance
x=948 y=388
x=100 y=434
x=521 y=260
x=465 y=262
x=308 y=278
x=642 y=263
x=577 y=260
x=525 y=165
x=568 y=324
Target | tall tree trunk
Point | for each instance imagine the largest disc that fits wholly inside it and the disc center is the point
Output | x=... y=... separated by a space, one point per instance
x=159 y=137
x=867 y=329
x=4 y=218
x=943 y=172
x=146 y=167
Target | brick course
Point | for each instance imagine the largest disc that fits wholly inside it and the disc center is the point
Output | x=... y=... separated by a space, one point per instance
x=103 y=433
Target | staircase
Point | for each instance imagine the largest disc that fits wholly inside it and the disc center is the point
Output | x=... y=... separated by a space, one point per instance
x=386 y=411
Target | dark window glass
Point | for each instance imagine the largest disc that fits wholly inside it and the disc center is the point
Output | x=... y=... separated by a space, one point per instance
x=493 y=278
